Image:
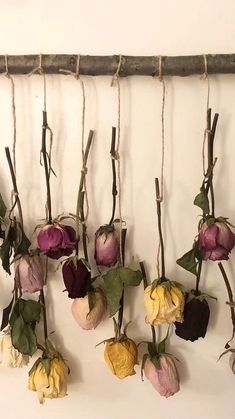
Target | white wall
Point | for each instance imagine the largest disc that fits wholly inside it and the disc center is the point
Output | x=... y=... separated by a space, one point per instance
x=127 y=27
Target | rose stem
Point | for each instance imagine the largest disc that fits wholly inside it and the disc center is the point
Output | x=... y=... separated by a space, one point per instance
x=17 y=201
x=45 y=162
x=114 y=188
x=82 y=218
x=43 y=303
x=120 y=312
x=82 y=179
x=160 y=228
x=230 y=296
x=13 y=177
x=145 y=282
x=211 y=137
x=198 y=276
x=210 y=145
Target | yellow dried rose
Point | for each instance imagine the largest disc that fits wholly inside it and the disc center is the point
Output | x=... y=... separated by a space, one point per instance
x=121 y=357
x=164 y=303
x=49 y=378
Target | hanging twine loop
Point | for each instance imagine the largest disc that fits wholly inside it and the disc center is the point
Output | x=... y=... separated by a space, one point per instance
x=84 y=167
x=207 y=132
x=116 y=154
x=7 y=74
x=159 y=198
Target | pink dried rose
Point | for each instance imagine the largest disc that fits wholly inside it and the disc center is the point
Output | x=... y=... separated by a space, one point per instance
x=216 y=240
x=29 y=273
x=106 y=246
x=56 y=240
x=87 y=319
x=164 y=379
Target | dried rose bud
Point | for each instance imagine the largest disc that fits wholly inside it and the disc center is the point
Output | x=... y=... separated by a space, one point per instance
x=216 y=240
x=48 y=377
x=106 y=246
x=164 y=303
x=87 y=319
x=11 y=357
x=196 y=318
x=77 y=277
x=164 y=379
x=29 y=273
x=121 y=357
x=56 y=240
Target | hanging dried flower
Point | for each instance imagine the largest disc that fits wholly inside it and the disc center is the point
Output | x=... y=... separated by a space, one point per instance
x=164 y=377
x=56 y=240
x=196 y=318
x=106 y=246
x=216 y=240
x=77 y=277
x=11 y=357
x=49 y=375
x=29 y=274
x=164 y=302
x=87 y=317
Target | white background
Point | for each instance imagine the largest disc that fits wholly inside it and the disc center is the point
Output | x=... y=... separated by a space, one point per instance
x=129 y=27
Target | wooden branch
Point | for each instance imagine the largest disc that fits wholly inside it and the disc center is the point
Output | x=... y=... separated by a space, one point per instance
x=131 y=65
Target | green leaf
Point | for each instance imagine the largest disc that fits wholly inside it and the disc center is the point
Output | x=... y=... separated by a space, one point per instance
x=202 y=201
x=3 y=208
x=114 y=282
x=22 y=243
x=113 y=289
x=188 y=261
x=6 y=315
x=91 y=300
x=23 y=337
x=129 y=277
x=30 y=310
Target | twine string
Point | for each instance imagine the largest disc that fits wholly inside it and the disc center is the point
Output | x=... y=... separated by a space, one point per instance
x=39 y=70
x=206 y=131
x=84 y=167
x=7 y=74
x=160 y=77
x=116 y=79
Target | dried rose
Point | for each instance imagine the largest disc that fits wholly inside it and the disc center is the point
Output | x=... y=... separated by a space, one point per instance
x=106 y=246
x=196 y=318
x=164 y=303
x=164 y=379
x=121 y=357
x=48 y=377
x=216 y=240
x=86 y=318
x=56 y=240
x=77 y=277
x=29 y=273
x=11 y=357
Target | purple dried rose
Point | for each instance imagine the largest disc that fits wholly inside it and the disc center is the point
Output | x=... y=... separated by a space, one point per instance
x=56 y=240
x=106 y=246
x=196 y=318
x=216 y=240
x=165 y=378
x=77 y=278
x=29 y=273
